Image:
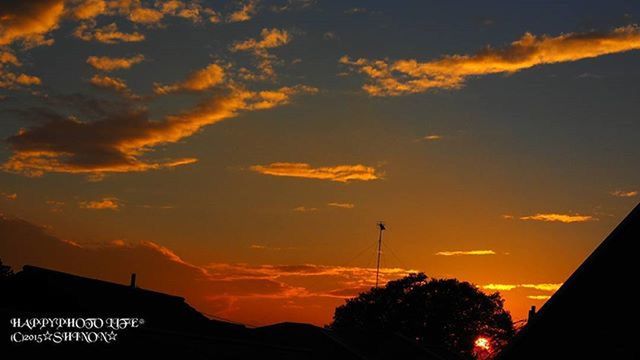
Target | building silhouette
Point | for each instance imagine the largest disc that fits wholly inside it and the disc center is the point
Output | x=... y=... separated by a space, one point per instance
x=595 y=313
x=173 y=329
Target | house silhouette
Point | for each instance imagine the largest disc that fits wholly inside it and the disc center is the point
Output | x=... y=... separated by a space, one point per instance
x=173 y=329
x=595 y=313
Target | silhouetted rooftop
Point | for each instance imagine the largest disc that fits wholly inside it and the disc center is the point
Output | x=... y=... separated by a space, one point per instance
x=174 y=329
x=592 y=315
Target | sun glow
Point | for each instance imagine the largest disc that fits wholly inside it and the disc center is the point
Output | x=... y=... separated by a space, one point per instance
x=483 y=344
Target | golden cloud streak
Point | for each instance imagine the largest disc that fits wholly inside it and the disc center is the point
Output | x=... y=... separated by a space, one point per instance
x=71 y=146
x=145 y=15
x=469 y=252
x=622 y=193
x=8 y=78
x=563 y=218
x=509 y=287
x=29 y=21
x=108 y=203
x=108 y=82
x=199 y=80
x=270 y=38
x=108 y=34
x=450 y=72
x=245 y=13
x=304 y=209
x=339 y=173
x=105 y=63
x=341 y=205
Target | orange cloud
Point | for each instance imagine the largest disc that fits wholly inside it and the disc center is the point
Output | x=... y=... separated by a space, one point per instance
x=9 y=196
x=8 y=78
x=304 y=209
x=55 y=205
x=508 y=287
x=7 y=57
x=450 y=72
x=87 y=9
x=468 y=252
x=302 y=292
x=563 y=218
x=622 y=193
x=107 y=82
x=145 y=16
x=118 y=141
x=135 y=12
x=432 y=137
x=108 y=34
x=245 y=13
x=339 y=173
x=499 y=287
x=200 y=80
x=29 y=21
x=191 y=11
x=341 y=205
x=105 y=63
x=270 y=39
x=539 y=297
x=108 y=203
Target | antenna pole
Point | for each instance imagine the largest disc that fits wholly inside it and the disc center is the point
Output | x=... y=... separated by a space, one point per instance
x=382 y=228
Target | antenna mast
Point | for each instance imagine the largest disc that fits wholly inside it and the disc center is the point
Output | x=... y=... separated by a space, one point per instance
x=382 y=228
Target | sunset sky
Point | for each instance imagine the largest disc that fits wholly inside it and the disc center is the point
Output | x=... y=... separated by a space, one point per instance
x=240 y=153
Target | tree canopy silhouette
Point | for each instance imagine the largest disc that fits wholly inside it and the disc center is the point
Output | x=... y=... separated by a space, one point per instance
x=435 y=312
x=5 y=271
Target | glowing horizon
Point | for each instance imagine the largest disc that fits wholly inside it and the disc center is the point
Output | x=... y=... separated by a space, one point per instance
x=240 y=153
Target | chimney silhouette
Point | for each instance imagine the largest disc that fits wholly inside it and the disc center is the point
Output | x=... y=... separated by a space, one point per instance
x=532 y=313
x=133 y=280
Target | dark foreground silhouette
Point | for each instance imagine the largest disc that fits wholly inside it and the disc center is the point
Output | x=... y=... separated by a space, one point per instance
x=438 y=313
x=594 y=315
x=172 y=329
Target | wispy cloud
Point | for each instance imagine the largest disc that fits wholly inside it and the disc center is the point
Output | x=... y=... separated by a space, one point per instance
x=55 y=206
x=9 y=78
x=466 y=252
x=392 y=78
x=105 y=63
x=107 y=203
x=9 y=196
x=292 y=5
x=509 y=287
x=625 y=193
x=108 y=34
x=539 y=297
x=199 y=80
x=304 y=209
x=563 y=218
x=271 y=248
x=341 y=205
x=339 y=173
x=109 y=82
x=432 y=137
x=145 y=16
x=29 y=22
x=119 y=140
x=269 y=39
x=246 y=11
x=211 y=288
x=356 y=10
x=138 y=12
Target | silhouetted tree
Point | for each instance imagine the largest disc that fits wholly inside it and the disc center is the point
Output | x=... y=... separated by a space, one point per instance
x=437 y=312
x=5 y=271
